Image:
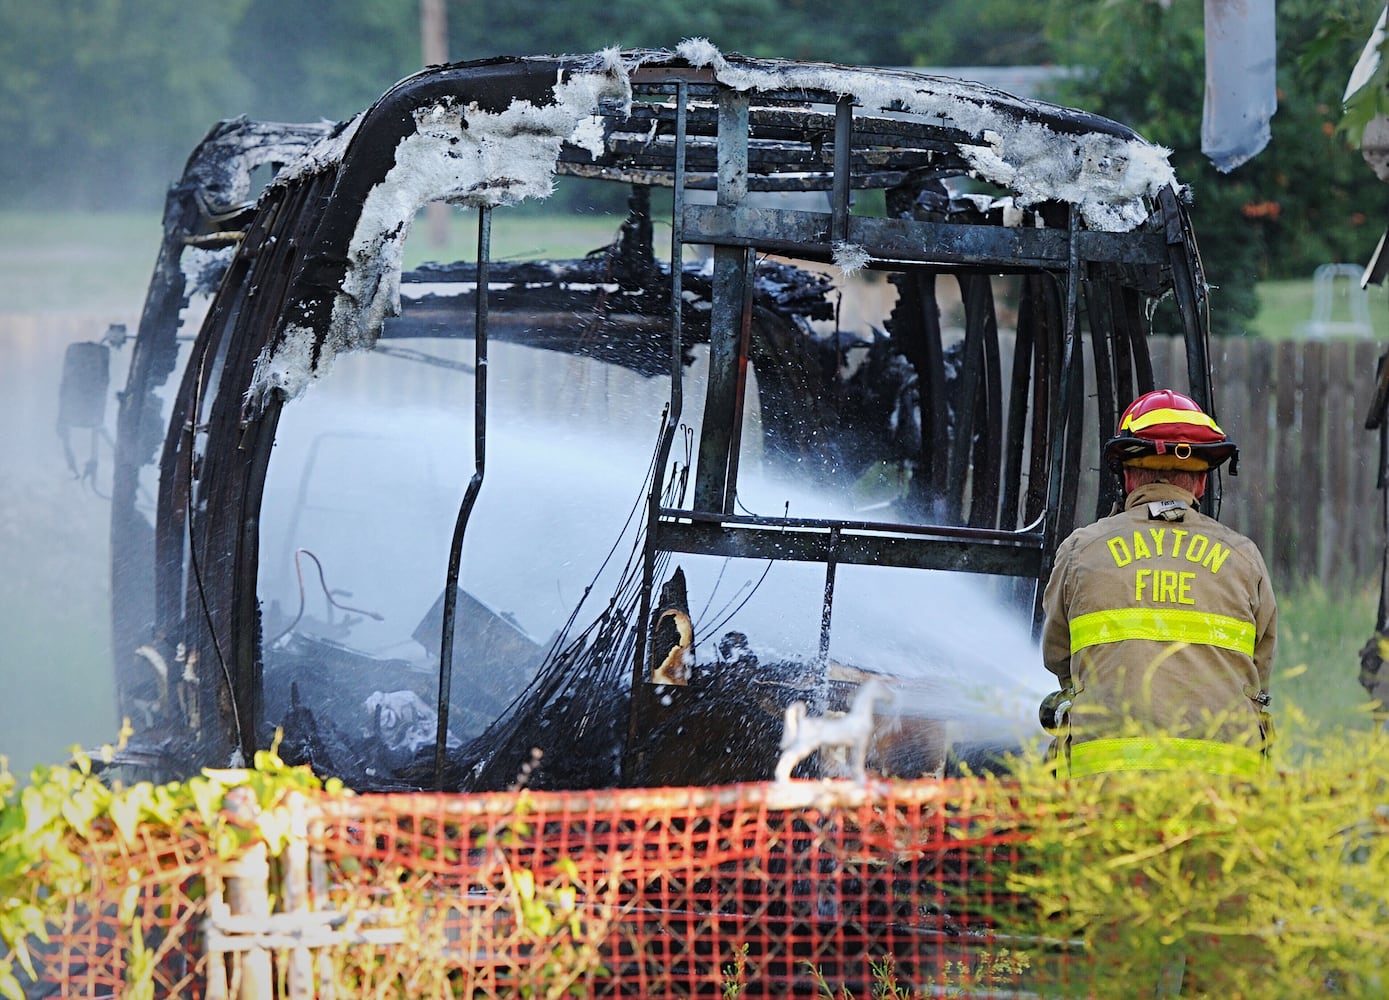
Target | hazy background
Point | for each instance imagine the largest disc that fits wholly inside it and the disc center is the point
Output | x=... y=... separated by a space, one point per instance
x=55 y=684
x=100 y=104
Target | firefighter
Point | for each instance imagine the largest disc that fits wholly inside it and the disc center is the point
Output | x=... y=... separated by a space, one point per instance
x=1159 y=619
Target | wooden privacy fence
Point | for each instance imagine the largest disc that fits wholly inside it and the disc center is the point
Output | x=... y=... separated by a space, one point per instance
x=1306 y=491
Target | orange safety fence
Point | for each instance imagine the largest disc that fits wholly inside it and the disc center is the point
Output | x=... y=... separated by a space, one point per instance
x=744 y=890
x=145 y=910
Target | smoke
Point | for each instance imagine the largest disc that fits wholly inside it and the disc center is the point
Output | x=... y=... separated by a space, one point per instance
x=369 y=480
x=55 y=658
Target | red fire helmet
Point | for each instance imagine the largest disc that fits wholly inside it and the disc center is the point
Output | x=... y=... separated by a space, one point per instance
x=1167 y=430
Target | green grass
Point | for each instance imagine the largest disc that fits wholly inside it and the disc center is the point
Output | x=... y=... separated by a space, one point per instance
x=96 y=262
x=1285 y=307
x=1318 y=660
x=63 y=263
x=55 y=650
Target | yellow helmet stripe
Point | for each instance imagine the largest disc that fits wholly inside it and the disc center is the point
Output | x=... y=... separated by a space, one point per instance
x=1164 y=754
x=1162 y=625
x=1166 y=415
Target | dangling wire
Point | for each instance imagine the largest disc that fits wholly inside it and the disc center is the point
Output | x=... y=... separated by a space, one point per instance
x=327 y=595
x=752 y=591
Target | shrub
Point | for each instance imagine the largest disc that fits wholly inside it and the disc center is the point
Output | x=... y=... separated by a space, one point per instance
x=1276 y=887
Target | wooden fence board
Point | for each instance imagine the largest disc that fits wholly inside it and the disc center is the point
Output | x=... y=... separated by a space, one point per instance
x=1253 y=444
x=1308 y=480
x=1334 y=565
x=1282 y=558
x=1367 y=535
x=1231 y=404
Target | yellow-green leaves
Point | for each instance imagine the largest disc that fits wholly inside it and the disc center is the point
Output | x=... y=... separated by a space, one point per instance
x=125 y=809
x=66 y=831
x=1270 y=887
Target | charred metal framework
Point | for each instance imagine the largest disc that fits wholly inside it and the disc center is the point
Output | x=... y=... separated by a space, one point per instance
x=1081 y=217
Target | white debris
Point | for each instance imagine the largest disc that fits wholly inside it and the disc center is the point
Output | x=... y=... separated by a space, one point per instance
x=403 y=721
x=850 y=258
x=203 y=268
x=588 y=134
x=468 y=156
x=322 y=155
x=463 y=155
x=700 y=52
x=1105 y=177
x=227 y=180
x=804 y=734
x=290 y=366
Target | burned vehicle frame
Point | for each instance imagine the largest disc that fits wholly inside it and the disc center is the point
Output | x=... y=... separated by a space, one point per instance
x=764 y=165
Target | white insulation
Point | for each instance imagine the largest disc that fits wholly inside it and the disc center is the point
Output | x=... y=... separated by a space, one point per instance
x=467 y=156
x=1105 y=177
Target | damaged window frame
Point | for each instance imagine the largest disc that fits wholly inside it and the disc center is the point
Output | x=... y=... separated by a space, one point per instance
x=1097 y=236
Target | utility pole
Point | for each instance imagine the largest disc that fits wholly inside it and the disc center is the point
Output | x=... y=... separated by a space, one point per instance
x=434 y=47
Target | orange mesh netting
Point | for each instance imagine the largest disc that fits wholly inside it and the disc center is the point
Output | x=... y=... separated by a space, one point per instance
x=764 y=889
x=145 y=911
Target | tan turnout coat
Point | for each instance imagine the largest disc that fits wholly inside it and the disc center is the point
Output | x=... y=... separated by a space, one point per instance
x=1161 y=615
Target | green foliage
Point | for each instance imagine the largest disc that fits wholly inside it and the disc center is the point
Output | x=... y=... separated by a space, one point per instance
x=93 y=95
x=1276 y=887
x=564 y=944
x=100 y=103
x=735 y=974
x=978 y=33
x=988 y=971
x=1305 y=200
x=305 y=61
x=985 y=973
x=789 y=29
x=561 y=931
x=53 y=831
x=1372 y=97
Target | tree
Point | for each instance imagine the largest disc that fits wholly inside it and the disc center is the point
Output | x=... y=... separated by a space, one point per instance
x=101 y=101
x=1303 y=201
x=309 y=61
x=791 y=29
x=977 y=33
x=92 y=94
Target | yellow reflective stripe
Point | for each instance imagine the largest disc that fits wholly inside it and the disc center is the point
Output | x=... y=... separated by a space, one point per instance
x=1164 y=754
x=1166 y=415
x=1162 y=625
